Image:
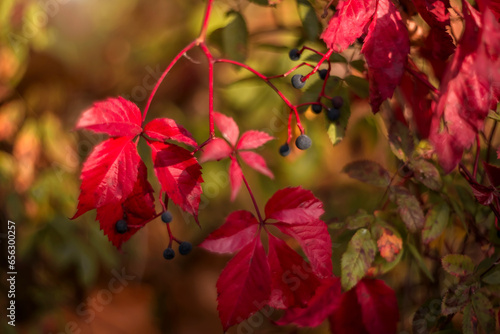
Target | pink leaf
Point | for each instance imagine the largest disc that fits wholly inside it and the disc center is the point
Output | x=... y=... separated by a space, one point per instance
x=379 y=306
x=114 y=116
x=386 y=49
x=253 y=139
x=238 y=230
x=227 y=127
x=293 y=283
x=235 y=178
x=348 y=23
x=179 y=175
x=165 y=129
x=322 y=304
x=244 y=285
x=137 y=210
x=109 y=174
x=470 y=88
x=216 y=149
x=257 y=162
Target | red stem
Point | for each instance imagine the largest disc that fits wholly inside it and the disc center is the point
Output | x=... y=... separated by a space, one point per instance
x=164 y=74
x=269 y=83
x=211 y=62
x=290 y=71
x=204 y=26
x=315 y=69
x=476 y=160
x=251 y=195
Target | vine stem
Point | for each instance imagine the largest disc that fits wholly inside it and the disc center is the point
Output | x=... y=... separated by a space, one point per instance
x=270 y=84
x=164 y=74
x=203 y=33
x=211 y=62
x=251 y=195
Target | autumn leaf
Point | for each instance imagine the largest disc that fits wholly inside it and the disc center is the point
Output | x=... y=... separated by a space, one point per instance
x=108 y=175
x=243 y=284
x=369 y=308
x=458 y=265
x=179 y=174
x=386 y=49
x=357 y=258
x=470 y=88
x=115 y=117
x=389 y=245
x=369 y=172
x=167 y=129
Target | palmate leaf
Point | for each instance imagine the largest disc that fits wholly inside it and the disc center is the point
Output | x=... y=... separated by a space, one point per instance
x=108 y=175
x=179 y=175
x=114 y=116
x=168 y=129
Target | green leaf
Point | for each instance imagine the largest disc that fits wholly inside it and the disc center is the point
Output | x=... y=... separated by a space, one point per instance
x=358 y=258
x=458 y=265
x=484 y=312
x=426 y=316
x=309 y=20
x=435 y=222
x=426 y=173
x=493 y=278
x=401 y=141
x=336 y=130
x=420 y=261
x=235 y=37
x=455 y=298
x=409 y=208
x=359 y=220
x=369 y=172
x=469 y=324
x=216 y=39
x=358 y=85
x=334 y=58
x=358 y=64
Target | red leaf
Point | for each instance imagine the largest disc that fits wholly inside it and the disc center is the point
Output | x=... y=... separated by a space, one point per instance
x=470 y=88
x=253 y=139
x=493 y=173
x=483 y=194
x=348 y=23
x=373 y=302
x=216 y=149
x=114 y=116
x=346 y=318
x=108 y=175
x=434 y=12
x=137 y=210
x=227 y=127
x=379 y=306
x=165 y=129
x=417 y=96
x=235 y=177
x=386 y=49
x=238 y=230
x=244 y=284
x=257 y=162
x=297 y=199
x=293 y=283
x=322 y=304
x=179 y=175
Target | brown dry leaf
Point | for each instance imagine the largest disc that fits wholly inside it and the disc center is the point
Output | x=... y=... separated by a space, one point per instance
x=389 y=245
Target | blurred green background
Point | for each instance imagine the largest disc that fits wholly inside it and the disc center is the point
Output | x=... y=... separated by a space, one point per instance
x=59 y=56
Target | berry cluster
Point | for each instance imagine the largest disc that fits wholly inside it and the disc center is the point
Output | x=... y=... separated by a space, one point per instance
x=303 y=142
x=185 y=247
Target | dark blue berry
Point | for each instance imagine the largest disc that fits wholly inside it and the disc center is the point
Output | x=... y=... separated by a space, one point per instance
x=185 y=248
x=284 y=150
x=297 y=81
x=337 y=102
x=303 y=142
x=333 y=114
x=168 y=253
x=166 y=217
x=294 y=54
x=316 y=108
x=121 y=226
x=322 y=74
